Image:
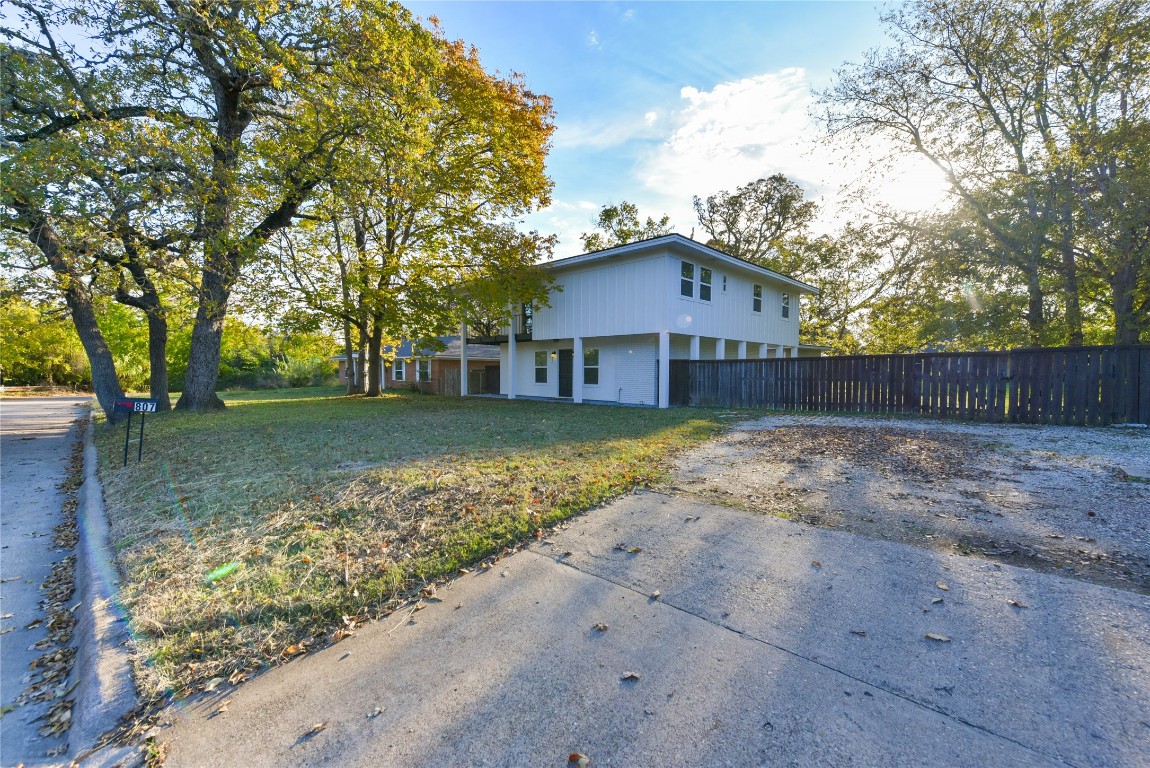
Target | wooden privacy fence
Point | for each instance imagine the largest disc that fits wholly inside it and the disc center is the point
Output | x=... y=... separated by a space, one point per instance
x=1063 y=385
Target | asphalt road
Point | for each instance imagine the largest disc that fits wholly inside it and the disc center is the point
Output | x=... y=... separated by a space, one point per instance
x=36 y=436
x=769 y=643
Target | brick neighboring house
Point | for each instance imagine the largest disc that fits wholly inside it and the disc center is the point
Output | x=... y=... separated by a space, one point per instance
x=437 y=372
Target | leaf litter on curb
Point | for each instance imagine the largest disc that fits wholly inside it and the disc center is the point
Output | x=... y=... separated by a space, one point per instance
x=49 y=671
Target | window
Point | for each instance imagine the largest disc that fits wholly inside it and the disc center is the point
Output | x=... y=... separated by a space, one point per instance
x=786 y=304
x=704 y=284
x=590 y=366
x=423 y=370
x=397 y=370
x=724 y=283
x=687 y=280
x=540 y=367
x=757 y=301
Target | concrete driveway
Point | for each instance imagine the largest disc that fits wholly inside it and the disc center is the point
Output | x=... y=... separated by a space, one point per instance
x=36 y=437
x=769 y=643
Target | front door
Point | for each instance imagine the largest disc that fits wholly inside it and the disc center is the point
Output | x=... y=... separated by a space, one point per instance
x=566 y=366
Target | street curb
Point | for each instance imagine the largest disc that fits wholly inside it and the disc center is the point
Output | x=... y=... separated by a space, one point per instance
x=105 y=689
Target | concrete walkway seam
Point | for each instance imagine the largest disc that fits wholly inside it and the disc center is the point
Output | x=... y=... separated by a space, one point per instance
x=559 y=560
x=105 y=689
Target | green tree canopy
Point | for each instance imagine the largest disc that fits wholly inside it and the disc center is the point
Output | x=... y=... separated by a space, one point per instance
x=619 y=225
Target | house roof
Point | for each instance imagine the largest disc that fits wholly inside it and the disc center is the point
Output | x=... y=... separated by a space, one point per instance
x=474 y=351
x=677 y=242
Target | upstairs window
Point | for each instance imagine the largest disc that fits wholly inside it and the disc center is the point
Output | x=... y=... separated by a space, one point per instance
x=397 y=370
x=423 y=370
x=786 y=304
x=541 y=367
x=590 y=366
x=687 y=280
x=757 y=301
x=704 y=284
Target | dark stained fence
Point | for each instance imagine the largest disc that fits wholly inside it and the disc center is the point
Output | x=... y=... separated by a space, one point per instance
x=1065 y=385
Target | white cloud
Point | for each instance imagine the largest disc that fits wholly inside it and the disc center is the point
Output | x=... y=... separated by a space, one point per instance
x=604 y=133
x=719 y=139
x=628 y=14
x=746 y=129
x=593 y=39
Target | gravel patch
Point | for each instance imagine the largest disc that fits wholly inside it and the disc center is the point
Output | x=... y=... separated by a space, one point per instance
x=1070 y=500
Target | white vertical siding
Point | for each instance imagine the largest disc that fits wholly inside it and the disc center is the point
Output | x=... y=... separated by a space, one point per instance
x=604 y=299
x=730 y=314
x=680 y=347
x=626 y=369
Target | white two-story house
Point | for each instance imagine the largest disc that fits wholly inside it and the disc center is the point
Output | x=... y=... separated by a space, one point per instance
x=619 y=315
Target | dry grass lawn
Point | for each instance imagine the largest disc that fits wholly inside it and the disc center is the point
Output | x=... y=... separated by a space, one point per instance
x=257 y=534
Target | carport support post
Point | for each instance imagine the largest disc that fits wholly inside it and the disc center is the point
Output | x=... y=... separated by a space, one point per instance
x=664 y=369
x=512 y=319
x=463 y=358
x=764 y=351
x=720 y=349
x=780 y=351
x=577 y=369
x=694 y=353
x=742 y=350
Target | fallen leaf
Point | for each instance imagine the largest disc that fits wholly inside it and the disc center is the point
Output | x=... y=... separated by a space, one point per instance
x=10 y=578
x=214 y=683
x=314 y=730
x=223 y=707
x=816 y=564
x=237 y=677
x=6 y=631
x=859 y=632
x=630 y=675
x=936 y=601
x=375 y=713
x=942 y=585
x=635 y=550
x=1017 y=604
x=938 y=637
x=5 y=615
x=656 y=595
x=577 y=760
x=601 y=627
x=428 y=591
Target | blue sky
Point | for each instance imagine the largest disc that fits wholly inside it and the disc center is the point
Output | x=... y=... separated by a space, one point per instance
x=659 y=101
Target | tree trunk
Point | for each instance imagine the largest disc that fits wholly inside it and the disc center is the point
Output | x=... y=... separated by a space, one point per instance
x=1070 y=279
x=207 y=334
x=349 y=361
x=374 y=354
x=1128 y=326
x=360 y=381
x=105 y=381
x=158 y=360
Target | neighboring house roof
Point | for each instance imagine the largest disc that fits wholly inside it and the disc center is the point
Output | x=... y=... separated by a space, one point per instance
x=677 y=242
x=404 y=351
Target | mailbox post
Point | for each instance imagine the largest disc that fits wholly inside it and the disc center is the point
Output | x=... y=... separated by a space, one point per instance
x=141 y=406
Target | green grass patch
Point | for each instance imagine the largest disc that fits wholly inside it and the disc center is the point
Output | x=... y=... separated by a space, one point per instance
x=274 y=527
